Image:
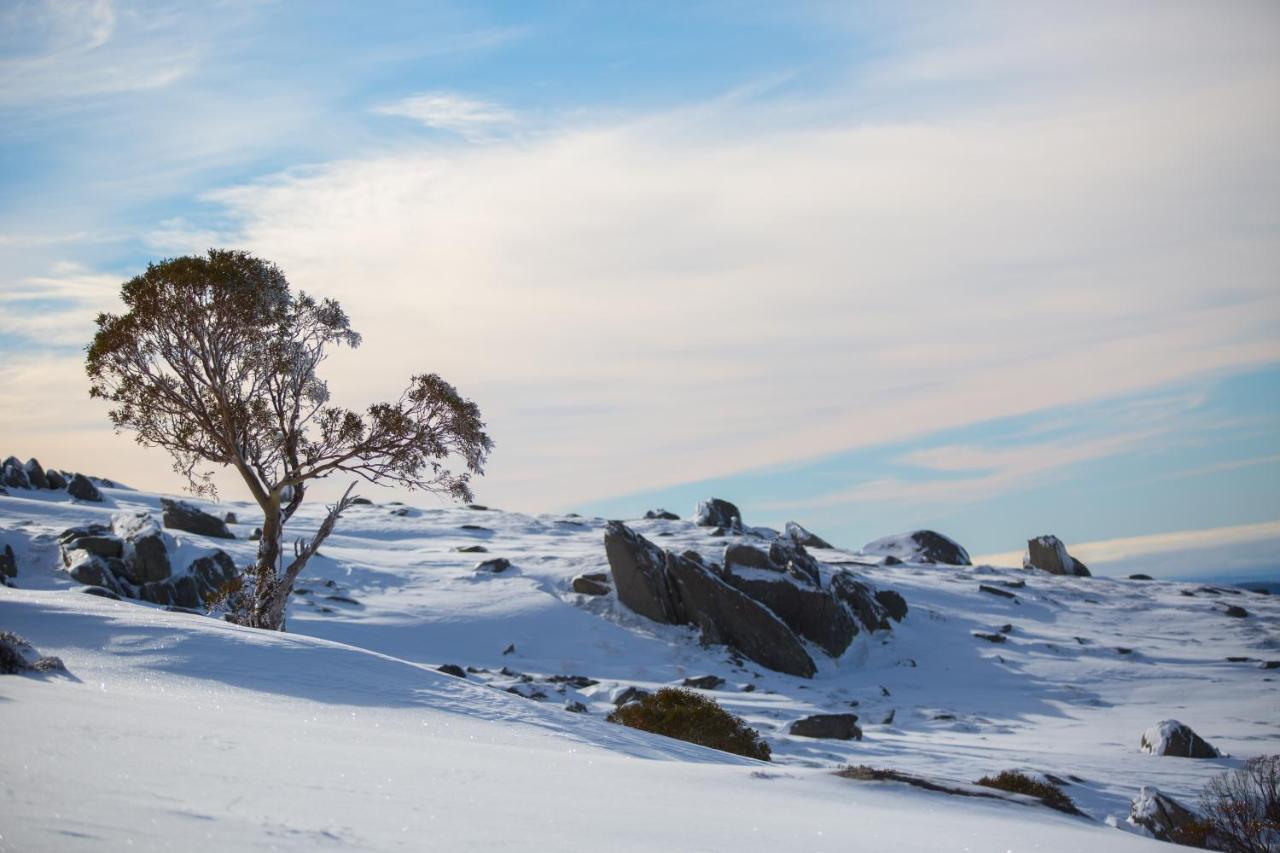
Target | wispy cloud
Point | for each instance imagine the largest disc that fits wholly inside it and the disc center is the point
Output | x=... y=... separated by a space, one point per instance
x=453 y=112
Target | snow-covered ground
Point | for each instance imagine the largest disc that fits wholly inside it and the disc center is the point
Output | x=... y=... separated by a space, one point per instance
x=173 y=730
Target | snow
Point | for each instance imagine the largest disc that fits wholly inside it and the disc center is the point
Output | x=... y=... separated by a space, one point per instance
x=341 y=735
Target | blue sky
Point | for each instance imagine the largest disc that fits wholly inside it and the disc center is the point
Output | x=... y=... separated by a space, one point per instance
x=1000 y=269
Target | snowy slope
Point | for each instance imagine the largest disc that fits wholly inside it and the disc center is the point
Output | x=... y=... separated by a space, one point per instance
x=340 y=734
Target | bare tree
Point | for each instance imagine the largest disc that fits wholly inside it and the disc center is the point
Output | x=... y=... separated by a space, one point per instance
x=215 y=361
x=1242 y=807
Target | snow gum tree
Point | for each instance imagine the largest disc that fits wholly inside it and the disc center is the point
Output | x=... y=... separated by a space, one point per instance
x=215 y=361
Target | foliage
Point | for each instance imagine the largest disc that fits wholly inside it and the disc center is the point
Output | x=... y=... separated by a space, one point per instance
x=1242 y=807
x=1020 y=783
x=689 y=716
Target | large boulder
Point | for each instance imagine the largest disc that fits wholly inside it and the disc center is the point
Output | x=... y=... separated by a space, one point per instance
x=55 y=479
x=919 y=546
x=180 y=515
x=13 y=474
x=893 y=603
x=728 y=615
x=828 y=726
x=35 y=474
x=639 y=575
x=808 y=610
x=1170 y=737
x=81 y=488
x=1048 y=554
x=800 y=536
x=715 y=512
x=860 y=597
x=1162 y=816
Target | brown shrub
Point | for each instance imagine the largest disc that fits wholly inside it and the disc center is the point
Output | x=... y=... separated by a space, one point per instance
x=1242 y=807
x=1020 y=783
x=688 y=716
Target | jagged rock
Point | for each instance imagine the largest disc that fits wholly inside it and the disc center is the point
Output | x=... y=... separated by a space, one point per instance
x=180 y=515
x=631 y=694
x=452 y=669
x=496 y=566
x=1163 y=816
x=639 y=575
x=919 y=546
x=704 y=682
x=13 y=475
x=813 y=613
x=17 y=655
x=35 y=474
x=56 y=479
x=586 y=586
x=893 y=603
x=8 y=562
x=97 y=539
x=662 y=515
x=1170 y=737
x=717 y=513
x=828 y=726
x=728 y=615
x=800 y=536
x=861 y=599
x=1048 y=554
x=81 y=489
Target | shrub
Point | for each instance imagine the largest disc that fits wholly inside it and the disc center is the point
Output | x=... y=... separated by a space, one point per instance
x=1020 y=783
x=1242 y=807
x=685 y=715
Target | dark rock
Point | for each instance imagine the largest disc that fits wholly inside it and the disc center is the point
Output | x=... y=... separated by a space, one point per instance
x=1237 y=659
x=1141 y=577
x=510 y=649
x=213 y=572
x=190 y=611
x=920 y=546
x=180 y=515
x=586 y=586
x=401 y=512
x=81 y=489
x=661 y=514
x=893 y=603
x=1006 y=629
x=471 y=549
x=639 y=575
x=1121 y=650
x=982 y=587
x=602 y=577
x=55 y=479
x=576 y=707
x=151 y=559
x=990 y=638
x=185 y=592
x=230 y=518
x=717 y=513
x=477 y=507
x=1164 y=817
x=815 y=614
x=631 y=694
x=452 y=669
x=795 y=560
x=341 y=599
x=828 y=726
x=1271 y=664
x=1236 y=611
x=1048 y=554
x=36 y=475
x=88 y=569
x=729 y=616
x=891 y=560
x=861 y=599
x=750 y=557
x=1170 y=737
x=577 y=682
x=496 y=566
x=359 y=501
x=157 y=592
x=8 y=562
x=100 y=591
x=98 y=544
x=1014 y=584
x=474 y=527
x=13 y=474
x=704 y=682
x=888 y=718
x=800 y=536
x=256 y=535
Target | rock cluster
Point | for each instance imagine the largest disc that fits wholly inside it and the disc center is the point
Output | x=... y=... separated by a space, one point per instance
x=918 y=546
x=15 y=474
x=1048 y=554
x=131 y=558
x=764 y=604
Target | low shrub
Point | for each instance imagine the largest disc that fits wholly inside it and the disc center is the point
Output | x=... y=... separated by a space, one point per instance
x=1242 y=807
x=689 y=716
x=1020 y=783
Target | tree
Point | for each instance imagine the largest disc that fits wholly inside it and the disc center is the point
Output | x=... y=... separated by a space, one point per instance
x=215 y=361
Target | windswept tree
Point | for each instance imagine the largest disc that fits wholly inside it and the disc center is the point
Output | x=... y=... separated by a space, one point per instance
x=215 y=361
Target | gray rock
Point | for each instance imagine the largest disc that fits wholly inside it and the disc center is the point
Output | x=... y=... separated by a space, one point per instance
x=35 y=474
x=729 y=616
x=750 y=557
x=230 y=518
x=359 y=501
x=1048 y=554
x=576 y=707
x=813 y=613
x=1163 y=816
x=88 y=569
x=212 y=572
x=586 y=586
x=828 y=726
x=150 y=559
x=496 y=566
x=704 y=682
x=158 y=592
x=471 y=549
x=100 y=591
x=185 y=592
x=795 y=560
x=180 y=515
x=893 y=603
x=639 y=575
x=81 y=489
x=256 y=534
x=8 y=562
x=1236 y=611
x=715 y=512
x=800 y=536
x=860 y=598
x=661 y=514
x=1170 y=737
x=13 y=475
x=55 y=479
x=631 y=694
x=452 y=669
x=919 y=546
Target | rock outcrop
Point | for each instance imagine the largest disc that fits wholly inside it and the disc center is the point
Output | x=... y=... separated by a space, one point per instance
x=1162 y=816
x=800 y=536
x=715 y=512
x=1048 y=554
x=1170 y=737
x=180 y=515
x=639 y=575
x=83 y=489
x=919 y=546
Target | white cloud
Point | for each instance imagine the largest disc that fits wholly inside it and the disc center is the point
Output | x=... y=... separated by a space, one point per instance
x=453 y=112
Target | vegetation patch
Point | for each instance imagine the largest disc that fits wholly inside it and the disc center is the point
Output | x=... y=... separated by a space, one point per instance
x=1020 y=783
x=1241 y=808
x=689 y=716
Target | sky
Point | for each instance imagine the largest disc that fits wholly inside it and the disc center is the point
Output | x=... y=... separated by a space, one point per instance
x=999 y=269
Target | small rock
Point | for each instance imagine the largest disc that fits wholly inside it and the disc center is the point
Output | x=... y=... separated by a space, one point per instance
x=1141 y=577
x=495 y=566
x=661 y=514
x=990 y=638
x=1236 y=611
x=576 y=707
x=452 y=669
x=715 y=512
x=100 y=591
x=888 y=718
x=8 y=562
x=509 y=649
x=631 y=694
x=477 y=507
x=256 y=535
x=797 y=534
x=828 y=726
x=472 y=549
x=474 y=527
x=586 y=586
x=704 y=682
x=359 y=501
x=893 y=603
x=81 y=489
x=230 y=518
x=996 y=591
x=1170 y=737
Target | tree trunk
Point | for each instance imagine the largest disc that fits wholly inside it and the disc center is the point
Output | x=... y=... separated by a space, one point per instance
x=264 y=570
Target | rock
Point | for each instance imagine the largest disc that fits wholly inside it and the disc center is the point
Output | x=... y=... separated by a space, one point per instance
x=452 y=669
x=180 y=515
x=919 y=546
x=893 y=603
x=471 y=549
x=88 y=569
x=256 y=535
x=213 y=572
x=828 y=726
x=577 y=682
x=631 y=694
x=750 y=557
x=8 y=562
x=35 y=474
x=602 y=577
x=990 y=638
x=359 y=501
x=475 y=527
x=1271 y=664
x=576 y=707
x=991 y=590
x=1141 y=578
x=496 y=566
x=800 y=536
x=55 y=479
x=97 y=541
x=81 y=489
x=704 y=682
x=717 y=513
x=795 y=560
x=230 y=518
x=888 y=718
x=13 y=474
x=1170 y=737
x=859 y=598
x=147 y=554
x=478 y=507
x=661 y=514
x=1236 y=611
x=586 y=586
x=813 y=613
x=157 y=592
x=185 y=592
x=1048 y=554
x=100 y=591
x=1163 y=816
x=510 y=649
x=729 y=616
x=639 y=575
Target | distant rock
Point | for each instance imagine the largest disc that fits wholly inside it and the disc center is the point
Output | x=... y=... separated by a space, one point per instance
x=860 y=598
x=1048 y=554
x=828 y=726
x=575 y=707
x=180 y=515
x=82 y=489
x=800 y=536
x=496 y=566
x=919 y=546
x=471 y=549
x=661 y=514
x=630 y=694
x=704 y=682
x=589 y=586
x=1235 y=611
x=452 y=669
x=359 y=501
x=35 y=474
x=100 y=591
x=1141 y=577
x=1170 y=737
x=13 y=474
x=256 y=535
x=715 y=512
x=8 y=562
x=56 y=479
x=991 y=590
x=639 y=575
x=1161 y=815
x=230 y=518
x=893 y=603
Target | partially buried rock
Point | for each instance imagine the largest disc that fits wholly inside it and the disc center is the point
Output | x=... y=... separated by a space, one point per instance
x=1237 y=612
x=452 y=669
x=715 y=512
x=631 y=694
x=1163 y=816
x=81 y=489
x=893 y=603
x=576 y=707
x=919 y=546
x=100 y=591
x=180 y=515
x=588 y=586
x=496 y=566
x=8 y=562
x=800 y=536
x=661 y=514
x=828 y=726
x=55 y=478
x=1170 y=737
x=1048 y=554
x=704 y=682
